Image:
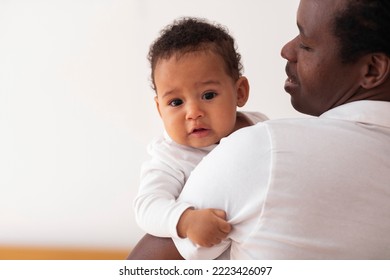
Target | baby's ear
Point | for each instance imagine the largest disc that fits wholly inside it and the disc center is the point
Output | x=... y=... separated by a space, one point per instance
x=157 y=105
x=376 y=70
x=242 y=88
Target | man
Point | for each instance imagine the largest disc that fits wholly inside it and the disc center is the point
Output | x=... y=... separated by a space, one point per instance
x=315 y=188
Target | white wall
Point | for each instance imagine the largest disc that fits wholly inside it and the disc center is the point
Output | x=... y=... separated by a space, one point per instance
x=76 y=109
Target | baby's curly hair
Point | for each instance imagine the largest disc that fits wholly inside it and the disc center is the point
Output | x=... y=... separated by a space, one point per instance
x=191 y=34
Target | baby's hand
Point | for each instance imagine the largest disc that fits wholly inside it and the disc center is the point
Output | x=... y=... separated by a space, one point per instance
x=205 y=227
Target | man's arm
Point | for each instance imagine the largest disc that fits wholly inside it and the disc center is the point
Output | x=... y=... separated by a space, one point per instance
x=155 y=248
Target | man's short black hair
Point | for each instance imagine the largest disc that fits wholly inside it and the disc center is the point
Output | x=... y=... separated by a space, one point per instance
x=363 y=27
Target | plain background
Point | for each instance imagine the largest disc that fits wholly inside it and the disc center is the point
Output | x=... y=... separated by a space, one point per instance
x=77 y=110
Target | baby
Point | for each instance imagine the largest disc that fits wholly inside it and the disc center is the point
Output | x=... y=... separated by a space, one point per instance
x=196 y=74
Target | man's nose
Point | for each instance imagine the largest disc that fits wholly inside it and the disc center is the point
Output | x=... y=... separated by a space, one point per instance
x=288 y=51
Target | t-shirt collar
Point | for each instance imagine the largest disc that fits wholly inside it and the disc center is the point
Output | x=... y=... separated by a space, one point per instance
x=364 y=111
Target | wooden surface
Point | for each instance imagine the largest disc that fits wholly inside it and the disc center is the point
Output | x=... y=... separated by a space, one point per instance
x=54 y=253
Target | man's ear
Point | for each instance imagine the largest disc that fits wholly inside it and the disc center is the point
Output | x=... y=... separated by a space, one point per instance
x=157 y=105
x=242 y=88
x=376 y=70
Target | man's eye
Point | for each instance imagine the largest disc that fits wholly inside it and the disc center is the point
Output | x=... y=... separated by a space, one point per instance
x=304 y=47
x=175 y=102
x=209 y=95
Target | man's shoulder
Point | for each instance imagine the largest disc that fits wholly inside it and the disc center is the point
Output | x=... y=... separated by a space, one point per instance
x=276 y=124
x=294 y=130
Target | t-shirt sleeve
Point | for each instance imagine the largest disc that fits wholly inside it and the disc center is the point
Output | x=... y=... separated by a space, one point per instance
x=156 y=210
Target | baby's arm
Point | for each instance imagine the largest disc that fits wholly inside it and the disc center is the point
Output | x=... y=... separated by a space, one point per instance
x=155 y=206
x=205 y=227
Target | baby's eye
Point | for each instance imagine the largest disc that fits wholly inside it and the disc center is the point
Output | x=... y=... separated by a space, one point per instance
x=209 y=95
x=175 y=102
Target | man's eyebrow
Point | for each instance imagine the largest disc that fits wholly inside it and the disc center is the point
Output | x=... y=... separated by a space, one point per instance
x=301 y=30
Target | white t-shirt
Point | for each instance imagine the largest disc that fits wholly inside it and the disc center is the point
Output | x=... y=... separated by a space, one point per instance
x=312 y=188
x=163 y=178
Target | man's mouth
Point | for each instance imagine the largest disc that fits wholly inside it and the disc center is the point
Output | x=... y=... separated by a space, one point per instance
x=291 y=78
x=291 y=84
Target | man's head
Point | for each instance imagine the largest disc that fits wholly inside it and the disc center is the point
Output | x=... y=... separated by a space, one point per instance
x=328 y=65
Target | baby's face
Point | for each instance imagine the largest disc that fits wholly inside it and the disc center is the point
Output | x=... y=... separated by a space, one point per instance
x=196 y=98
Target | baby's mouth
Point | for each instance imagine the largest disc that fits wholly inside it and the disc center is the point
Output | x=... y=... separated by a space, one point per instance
x=200 y=132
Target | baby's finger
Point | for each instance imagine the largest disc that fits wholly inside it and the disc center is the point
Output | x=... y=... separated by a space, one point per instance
x=225 y=227
x=220 y=213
